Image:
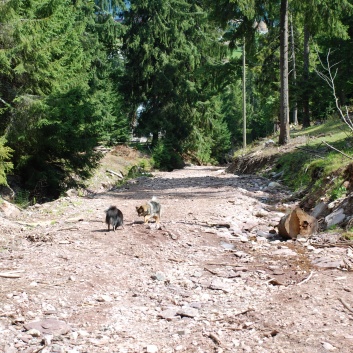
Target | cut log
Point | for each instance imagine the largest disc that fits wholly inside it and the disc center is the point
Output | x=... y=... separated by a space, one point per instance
x=297 y=223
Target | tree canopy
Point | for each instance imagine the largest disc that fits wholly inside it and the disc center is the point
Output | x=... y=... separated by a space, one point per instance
x=76 y=74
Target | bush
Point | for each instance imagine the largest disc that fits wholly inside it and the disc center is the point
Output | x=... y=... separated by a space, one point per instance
x=165 y=157
x=5 y=165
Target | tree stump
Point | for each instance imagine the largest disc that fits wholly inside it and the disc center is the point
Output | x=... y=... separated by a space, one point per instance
x=297 y=223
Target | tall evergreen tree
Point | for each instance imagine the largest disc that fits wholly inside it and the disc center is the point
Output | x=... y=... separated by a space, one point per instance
x=284 y=111
x=56 y=83
x=170 y=52
x=319 y=18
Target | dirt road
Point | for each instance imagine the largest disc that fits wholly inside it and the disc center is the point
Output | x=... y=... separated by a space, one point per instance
x=214 y=279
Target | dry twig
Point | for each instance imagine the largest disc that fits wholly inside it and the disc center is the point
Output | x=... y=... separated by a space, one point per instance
x=345 y=305
x=306 y=279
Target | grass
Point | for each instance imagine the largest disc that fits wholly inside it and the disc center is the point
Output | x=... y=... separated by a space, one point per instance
x=307 y=162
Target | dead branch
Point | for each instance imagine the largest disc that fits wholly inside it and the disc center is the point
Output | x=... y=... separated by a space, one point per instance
x=329 y=78
x=210 y=271
x=337 y=150
x=214 y=338
x=223 y=264
x=314 y=153
x=306 y=279
x=345 y=305
x=9 y=275
x=119 y=175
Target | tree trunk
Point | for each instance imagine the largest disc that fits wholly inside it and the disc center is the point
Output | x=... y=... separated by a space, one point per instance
x=295 y=102
x=306 y=93
x=284 y=109
x=154 y=139
x=297 y=223
x=244 y=98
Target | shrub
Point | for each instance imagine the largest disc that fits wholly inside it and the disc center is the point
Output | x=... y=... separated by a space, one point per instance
x=165 y=157
x=5 y=165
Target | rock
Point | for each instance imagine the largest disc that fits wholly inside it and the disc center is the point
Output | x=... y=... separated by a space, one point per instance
x=274 y=185
x=159 y=276
x=320 y=210
x=327 y=263
x=104 y=298
x=168 y=314
x=188 y=312
x=9 y=210
x=217 y=284
x=284 y=252
x=151 y=348
x=328 y=346
x=335 y=217
x=49 y=326
x=34 y=332
x=269 y=143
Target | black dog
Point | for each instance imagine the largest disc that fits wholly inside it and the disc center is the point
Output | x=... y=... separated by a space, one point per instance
x=114 y=217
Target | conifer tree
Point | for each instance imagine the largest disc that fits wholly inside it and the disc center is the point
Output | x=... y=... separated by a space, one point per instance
x=171 y=52
x=56 y=80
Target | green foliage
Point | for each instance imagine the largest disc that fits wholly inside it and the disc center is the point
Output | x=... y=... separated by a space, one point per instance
x=173 y=71
x=141 y=169
x=338 y=190
x=5 y=165
x=58 y=75
x=165 y=157
x=348 y=235
x=22 y=198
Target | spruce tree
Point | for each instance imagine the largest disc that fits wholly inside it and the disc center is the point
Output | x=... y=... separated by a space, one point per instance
x=57 y=81
x=171 y=54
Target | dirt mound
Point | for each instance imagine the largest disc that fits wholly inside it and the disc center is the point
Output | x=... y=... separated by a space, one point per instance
x=252 y=163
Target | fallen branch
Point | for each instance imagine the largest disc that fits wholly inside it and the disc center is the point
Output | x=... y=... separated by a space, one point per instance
x=314 y=153
x=224 y=264
x=244 y=312
x=337 y=150
x=210 y=271
x=9 y=275
x=214 y=338
x=345 y=305
x=115 y=173
x=306 y=279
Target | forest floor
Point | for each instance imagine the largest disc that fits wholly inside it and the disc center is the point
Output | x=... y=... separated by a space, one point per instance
x=214 y=278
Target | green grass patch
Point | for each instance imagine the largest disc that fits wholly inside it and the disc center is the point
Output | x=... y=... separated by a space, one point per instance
x=316 y=164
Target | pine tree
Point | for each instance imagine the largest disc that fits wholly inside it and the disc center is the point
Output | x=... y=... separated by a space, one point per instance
x=57 y=79
x=171 y=52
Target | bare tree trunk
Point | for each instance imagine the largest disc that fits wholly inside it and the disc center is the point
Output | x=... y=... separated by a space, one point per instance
x=306 y=93
x=284 y=109
x=295 y=102
x=244 y=97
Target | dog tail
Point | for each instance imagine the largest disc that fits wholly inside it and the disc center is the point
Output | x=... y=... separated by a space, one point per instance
x=154 y=198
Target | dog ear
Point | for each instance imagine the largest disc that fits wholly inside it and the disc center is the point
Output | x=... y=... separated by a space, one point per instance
x=137 y=208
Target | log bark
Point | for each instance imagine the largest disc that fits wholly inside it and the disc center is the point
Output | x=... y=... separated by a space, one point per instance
x=297 y=223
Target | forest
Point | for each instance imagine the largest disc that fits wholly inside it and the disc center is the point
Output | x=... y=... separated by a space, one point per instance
x=77 y=74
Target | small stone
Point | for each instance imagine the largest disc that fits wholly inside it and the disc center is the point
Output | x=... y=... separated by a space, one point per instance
x=328 y=346
x=73 y=335
x=83 y=333
x=104 y=298
x=34 y=332
x=159 y=276
x=168 y=314
x=151 y=348
x=49 y=326
x=188 y=312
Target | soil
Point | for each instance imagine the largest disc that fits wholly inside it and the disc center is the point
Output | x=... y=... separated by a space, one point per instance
x=214 y=278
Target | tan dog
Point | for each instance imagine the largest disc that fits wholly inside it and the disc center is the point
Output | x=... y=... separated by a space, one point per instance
x=151 y=209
